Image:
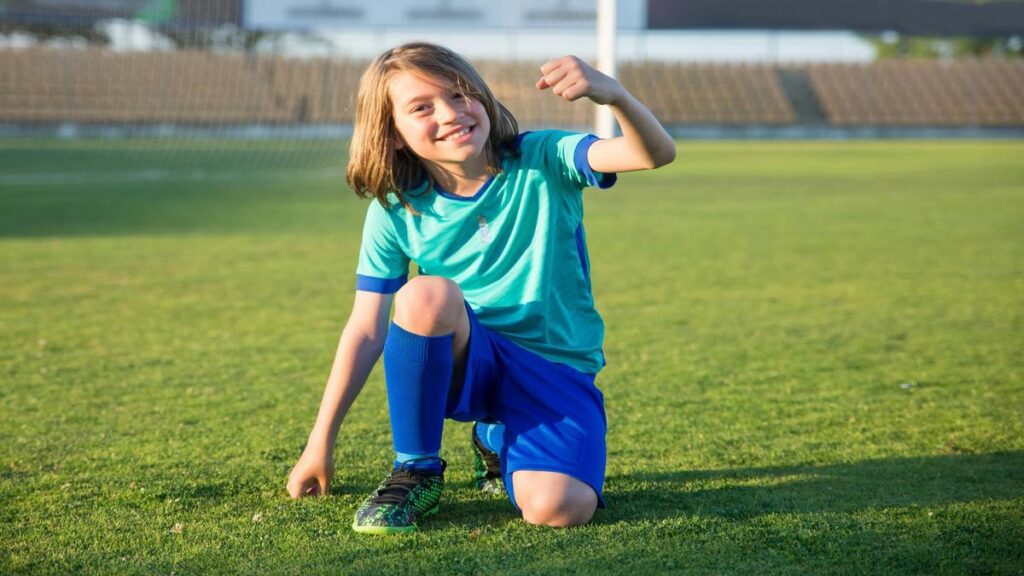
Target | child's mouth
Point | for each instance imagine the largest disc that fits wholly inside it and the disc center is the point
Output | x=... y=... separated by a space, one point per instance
x=458 y=136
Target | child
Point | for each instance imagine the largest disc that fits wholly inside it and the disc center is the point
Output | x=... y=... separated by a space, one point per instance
x=499 y=327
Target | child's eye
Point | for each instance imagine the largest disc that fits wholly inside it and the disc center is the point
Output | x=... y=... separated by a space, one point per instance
x=421 y=108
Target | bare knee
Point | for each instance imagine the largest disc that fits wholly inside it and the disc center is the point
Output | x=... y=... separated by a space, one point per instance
x=558 y=508
x=429 y=305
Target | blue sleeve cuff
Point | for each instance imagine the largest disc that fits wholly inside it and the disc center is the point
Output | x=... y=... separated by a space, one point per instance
x=600 y=180
x=519 y=139
x=380 y=285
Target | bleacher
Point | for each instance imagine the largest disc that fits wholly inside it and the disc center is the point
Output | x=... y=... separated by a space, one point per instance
x=195 y=87
x=101 y=86
x=922 y=92
x=709 y=94
x=309 y=91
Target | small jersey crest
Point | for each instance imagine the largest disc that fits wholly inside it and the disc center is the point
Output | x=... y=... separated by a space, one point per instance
x=485 y=233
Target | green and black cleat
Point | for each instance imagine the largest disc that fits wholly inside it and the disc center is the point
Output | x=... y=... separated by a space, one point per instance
x=405 y=497
x=486 y=467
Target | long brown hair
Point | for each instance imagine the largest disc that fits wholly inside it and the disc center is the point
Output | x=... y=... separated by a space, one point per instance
x=376 y=167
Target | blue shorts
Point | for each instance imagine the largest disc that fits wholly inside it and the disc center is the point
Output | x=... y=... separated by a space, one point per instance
x=553 y=414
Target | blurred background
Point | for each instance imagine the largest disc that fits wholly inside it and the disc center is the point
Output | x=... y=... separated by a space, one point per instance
x=262 y=71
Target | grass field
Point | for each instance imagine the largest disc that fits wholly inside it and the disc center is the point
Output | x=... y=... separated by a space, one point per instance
x=816 y=353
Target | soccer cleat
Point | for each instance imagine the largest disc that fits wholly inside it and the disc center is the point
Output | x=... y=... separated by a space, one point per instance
x=405 y=497
x=486 y=467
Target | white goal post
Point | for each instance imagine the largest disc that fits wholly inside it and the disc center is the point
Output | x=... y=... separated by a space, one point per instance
x=604 y=125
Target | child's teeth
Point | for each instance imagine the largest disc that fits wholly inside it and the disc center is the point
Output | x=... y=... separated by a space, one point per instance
x=462 y=132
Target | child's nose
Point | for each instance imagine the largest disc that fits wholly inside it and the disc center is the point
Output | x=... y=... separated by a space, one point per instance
x=447 y=112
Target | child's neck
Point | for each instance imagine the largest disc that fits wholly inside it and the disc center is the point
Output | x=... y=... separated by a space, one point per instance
x=460 y=180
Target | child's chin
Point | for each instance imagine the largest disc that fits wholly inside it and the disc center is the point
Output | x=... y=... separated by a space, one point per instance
x=468 y=153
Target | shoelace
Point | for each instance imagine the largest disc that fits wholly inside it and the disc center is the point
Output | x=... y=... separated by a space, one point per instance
x=397 y=486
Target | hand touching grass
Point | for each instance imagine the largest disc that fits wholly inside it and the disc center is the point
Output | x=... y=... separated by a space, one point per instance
x=312 y=474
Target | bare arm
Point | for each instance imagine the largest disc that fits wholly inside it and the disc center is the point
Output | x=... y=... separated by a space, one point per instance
x=359 y=348
x=644 y=143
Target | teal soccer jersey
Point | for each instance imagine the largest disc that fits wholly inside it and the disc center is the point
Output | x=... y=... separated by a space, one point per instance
x=517 y=248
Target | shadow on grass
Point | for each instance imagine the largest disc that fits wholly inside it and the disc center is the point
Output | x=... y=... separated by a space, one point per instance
x=742 y=493
x=748 y=492
x=468 y=507
x=713 y=536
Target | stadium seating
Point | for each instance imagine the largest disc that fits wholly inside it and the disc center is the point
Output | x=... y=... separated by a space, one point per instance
x=922 y=92
x=197 y=87
x=709 y=94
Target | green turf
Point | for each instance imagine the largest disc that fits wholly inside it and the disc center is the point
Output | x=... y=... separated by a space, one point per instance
x=815 y=366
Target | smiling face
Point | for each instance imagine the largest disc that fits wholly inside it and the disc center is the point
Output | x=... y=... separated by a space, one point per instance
x=413 y=122
x=444 y=127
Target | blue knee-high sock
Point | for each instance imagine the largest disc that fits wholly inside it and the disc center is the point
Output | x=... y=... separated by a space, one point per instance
x=491 y=435
x=418 y=372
